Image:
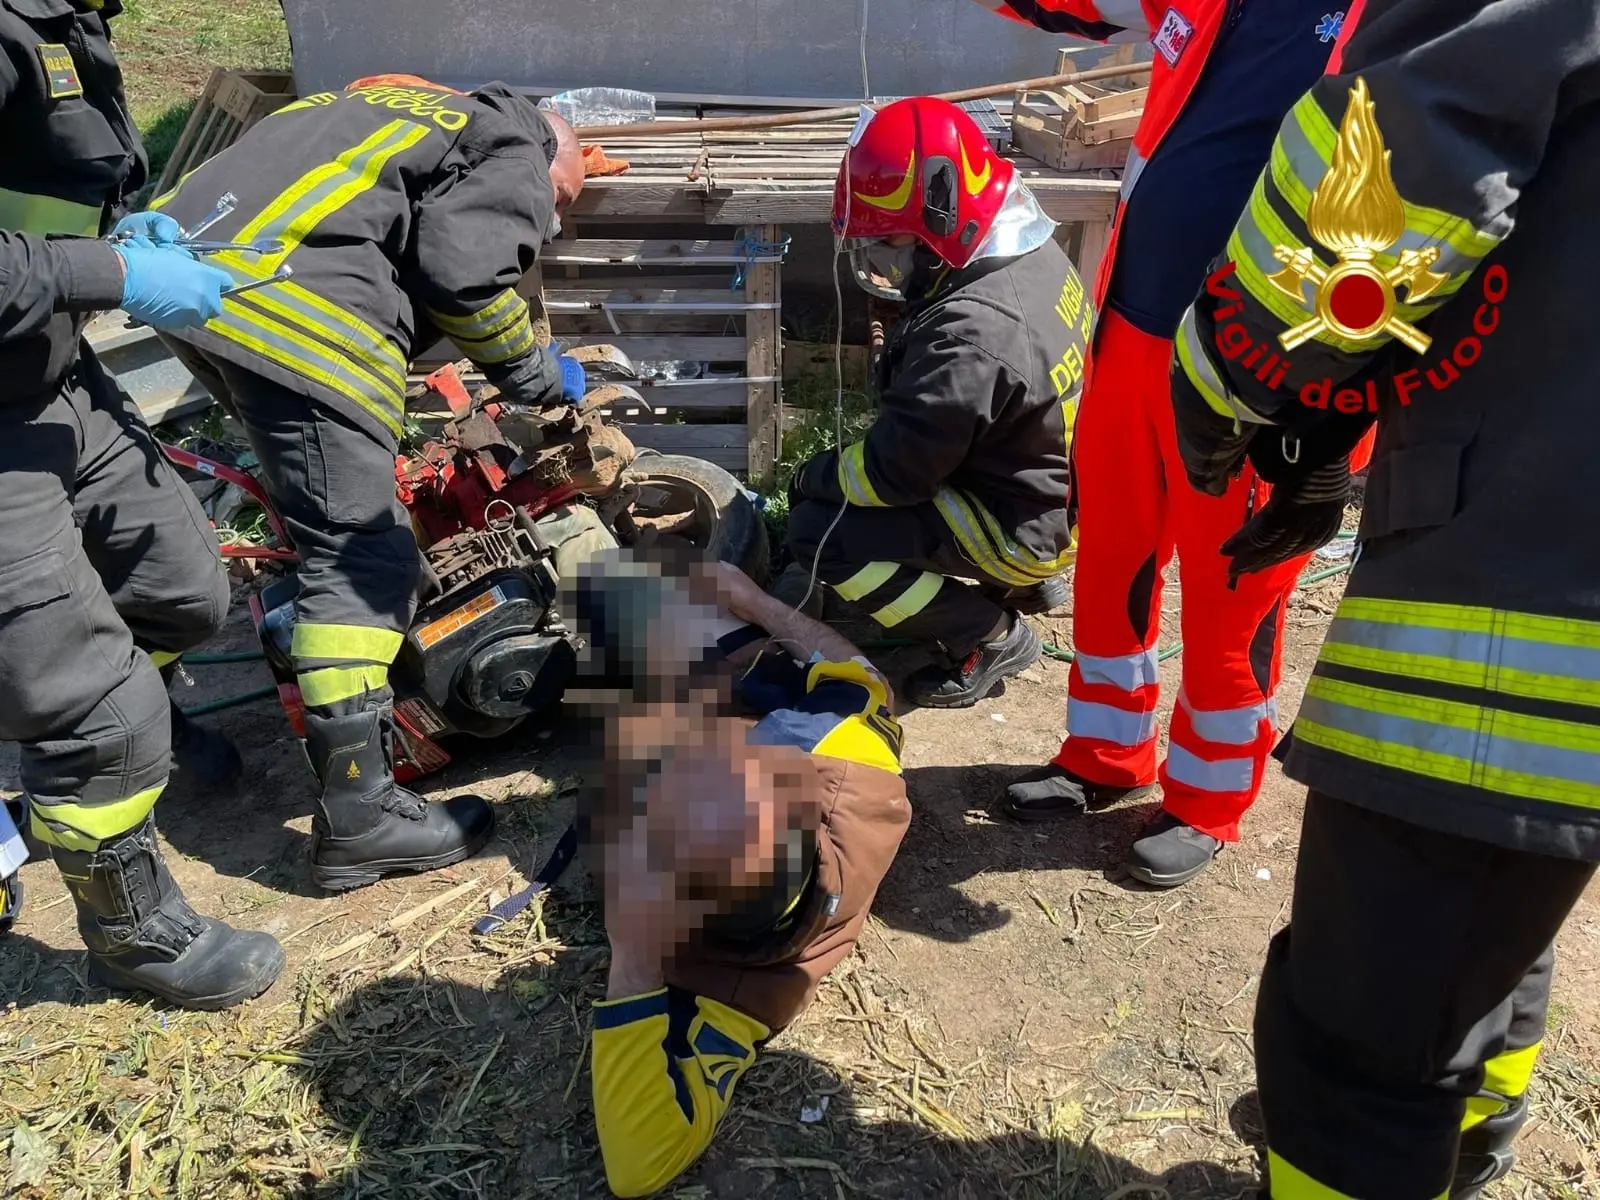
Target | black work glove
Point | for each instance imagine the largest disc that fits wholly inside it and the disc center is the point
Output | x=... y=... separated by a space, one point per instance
x=817 y=479
x=1211 y=445
x=1299 y=516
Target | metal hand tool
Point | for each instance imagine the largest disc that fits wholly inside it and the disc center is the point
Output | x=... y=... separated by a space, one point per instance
x=226 y=203
x=268 y=246
x=279 y=276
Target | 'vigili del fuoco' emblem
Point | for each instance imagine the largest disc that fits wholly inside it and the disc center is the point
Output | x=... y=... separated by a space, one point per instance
x=1356 y=212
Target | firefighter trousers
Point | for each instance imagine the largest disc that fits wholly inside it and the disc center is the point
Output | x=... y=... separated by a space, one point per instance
x=902 y=567
x=108 y=571
x=1134 y=506
x=1404 y=1004
x=333 y=485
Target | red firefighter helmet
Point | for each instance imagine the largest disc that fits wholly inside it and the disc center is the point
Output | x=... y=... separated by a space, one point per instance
x=922 y=167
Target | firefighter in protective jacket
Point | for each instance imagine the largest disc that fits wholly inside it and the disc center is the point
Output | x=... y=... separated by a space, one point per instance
x=1223 y=74
x=963 y=475
x=1417 y=254
x=404 y=211
x=108 y=568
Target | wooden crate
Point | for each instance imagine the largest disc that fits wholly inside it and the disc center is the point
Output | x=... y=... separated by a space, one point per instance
x=1080 y=127
x=232 y=102
x=666 y=300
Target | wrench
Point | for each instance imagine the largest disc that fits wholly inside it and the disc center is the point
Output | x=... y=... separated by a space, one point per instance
x=279 y=276
x=226 y=203
x=271 y=246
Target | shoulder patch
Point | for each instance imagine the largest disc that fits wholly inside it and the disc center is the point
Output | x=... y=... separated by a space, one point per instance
x=60 y=72
x=1172 y=36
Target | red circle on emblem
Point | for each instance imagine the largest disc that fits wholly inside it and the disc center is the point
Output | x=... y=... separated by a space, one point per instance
x=1357 y=301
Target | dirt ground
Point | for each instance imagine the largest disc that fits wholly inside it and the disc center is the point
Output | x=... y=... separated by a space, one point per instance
x=1019 y=1020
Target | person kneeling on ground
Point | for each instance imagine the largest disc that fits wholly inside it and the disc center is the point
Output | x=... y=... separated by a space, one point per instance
x=964 y=473
x=737 y=859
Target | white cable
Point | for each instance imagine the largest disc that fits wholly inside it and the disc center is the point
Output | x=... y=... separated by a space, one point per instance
x=838 y=326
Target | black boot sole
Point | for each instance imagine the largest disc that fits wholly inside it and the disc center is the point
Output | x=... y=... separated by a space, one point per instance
x=1146 y=876
x=102 y=976
x=346 y=879
x=1039 y=816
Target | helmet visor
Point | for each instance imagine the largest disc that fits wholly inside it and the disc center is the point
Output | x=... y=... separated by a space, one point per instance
x=881 y=269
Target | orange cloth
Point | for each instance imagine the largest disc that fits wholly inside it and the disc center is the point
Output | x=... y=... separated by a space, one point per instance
x=401 y=81
x=595 y=162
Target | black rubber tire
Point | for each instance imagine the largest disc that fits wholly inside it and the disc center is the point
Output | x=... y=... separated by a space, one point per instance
x=731 y=525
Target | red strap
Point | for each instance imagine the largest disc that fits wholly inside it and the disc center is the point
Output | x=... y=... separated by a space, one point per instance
x=1352 y=18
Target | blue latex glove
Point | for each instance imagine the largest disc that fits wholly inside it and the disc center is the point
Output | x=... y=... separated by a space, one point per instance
x=157 y=227
x=167 y=288
x=574 y=380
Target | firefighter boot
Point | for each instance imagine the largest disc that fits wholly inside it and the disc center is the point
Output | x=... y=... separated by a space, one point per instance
x=971 y=680
x=367 y=826
x=1035 y=600
x=1053 y=791
x=202 y=755
x=143 y=936
x=1486 y=1154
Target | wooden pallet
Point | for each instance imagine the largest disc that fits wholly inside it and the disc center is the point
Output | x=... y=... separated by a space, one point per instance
x=672 y=300
x=776 y=177
x=232 y=102
x=1080 y=127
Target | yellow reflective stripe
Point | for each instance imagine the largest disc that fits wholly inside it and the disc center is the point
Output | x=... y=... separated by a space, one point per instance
x=295 y=351
x=866 y=581
x=27 y=212
x=911 y=601
x=855 y=741
x=329 y=685
x=163 y=658
x=346 y=642
x=1509 y=1073
x=1469 y=646
x=310 y=200
x=1466 y=744
x=1562 y=631
x=1289 y=1182
x=854 y=481
x=87 y=826
x=486 y=322
x=1197 y=366
x=1506 y=1077
x=995 y=554
x=513 y=343
x=347 y=333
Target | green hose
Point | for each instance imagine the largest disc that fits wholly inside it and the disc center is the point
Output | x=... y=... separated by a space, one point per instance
x=230 y=656
x=262 y=693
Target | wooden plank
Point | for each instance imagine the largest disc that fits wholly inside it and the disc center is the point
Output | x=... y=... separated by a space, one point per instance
x=1096 y=239
x=635 y=281
x=669 y=349
x=643 y=252
x=763 y=418
x=725 y=445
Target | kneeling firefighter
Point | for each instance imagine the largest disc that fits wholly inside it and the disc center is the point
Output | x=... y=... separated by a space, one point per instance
x=964 y=473
x=404 y=211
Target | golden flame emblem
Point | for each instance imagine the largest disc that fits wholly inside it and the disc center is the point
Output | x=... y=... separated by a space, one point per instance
x=1356 y=212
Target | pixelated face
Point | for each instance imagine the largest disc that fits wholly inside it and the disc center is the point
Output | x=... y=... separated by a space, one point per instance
x=651 y=623
x=703 y=832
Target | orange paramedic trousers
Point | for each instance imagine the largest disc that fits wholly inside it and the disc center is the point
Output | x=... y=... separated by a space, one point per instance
x=1134 y=506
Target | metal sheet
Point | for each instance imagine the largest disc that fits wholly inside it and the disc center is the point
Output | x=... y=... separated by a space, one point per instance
x=798 y=48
